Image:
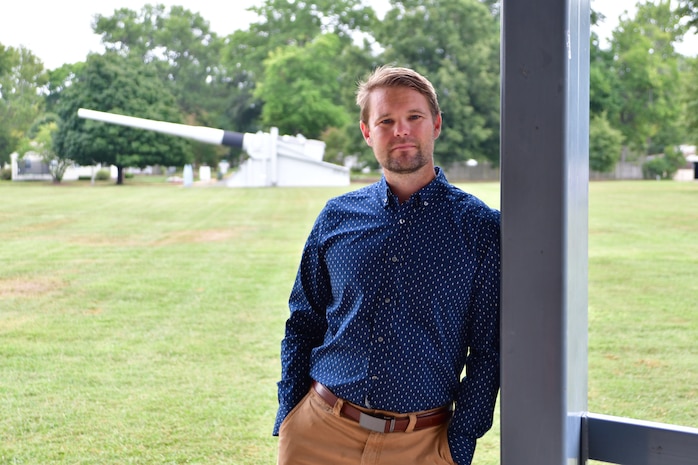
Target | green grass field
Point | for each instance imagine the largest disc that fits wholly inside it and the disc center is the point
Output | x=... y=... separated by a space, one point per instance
x=140 y=324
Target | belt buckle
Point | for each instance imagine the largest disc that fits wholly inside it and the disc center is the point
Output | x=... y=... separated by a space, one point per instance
x=376 y=424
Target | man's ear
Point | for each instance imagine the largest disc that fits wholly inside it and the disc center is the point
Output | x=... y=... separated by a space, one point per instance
x=366 y=132
x=438 y=122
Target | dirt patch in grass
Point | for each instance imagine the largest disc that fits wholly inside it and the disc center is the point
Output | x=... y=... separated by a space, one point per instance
x=27 y=288
x=208 y=235
x=169 y=238
x=650 y=363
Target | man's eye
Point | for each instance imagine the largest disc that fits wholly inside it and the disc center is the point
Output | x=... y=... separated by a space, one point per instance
x=415 y=117
x=386 y=121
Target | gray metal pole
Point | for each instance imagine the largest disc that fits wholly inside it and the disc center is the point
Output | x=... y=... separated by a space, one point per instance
x=544 y=178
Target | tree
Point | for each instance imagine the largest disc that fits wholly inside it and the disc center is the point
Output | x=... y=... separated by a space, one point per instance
x=605 y=140
x=300 y=88
x=117 y=84
x=455 y=43
x=604 y=92
x=22 y=76
x=290 y=22
x=60 y=79
x=242 y=110
x=605 y=144
x=689 y=8
x=691 y=100
x=294 y=24
x=185 y=52
x=39 y=140
x=6 y=59
x=646 y=66
x=179 y=43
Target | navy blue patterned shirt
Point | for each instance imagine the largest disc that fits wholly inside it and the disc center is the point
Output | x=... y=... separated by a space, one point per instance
x=392 y=301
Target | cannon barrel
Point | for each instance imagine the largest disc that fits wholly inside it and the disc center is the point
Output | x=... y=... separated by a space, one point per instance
x=198 y=133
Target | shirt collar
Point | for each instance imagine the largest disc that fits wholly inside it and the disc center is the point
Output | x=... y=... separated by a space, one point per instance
x=423 y=197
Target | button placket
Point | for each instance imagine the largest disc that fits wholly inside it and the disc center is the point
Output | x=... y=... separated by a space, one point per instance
x=388 y=301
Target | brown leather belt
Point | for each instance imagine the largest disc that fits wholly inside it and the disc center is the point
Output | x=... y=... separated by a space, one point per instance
x=383 y=424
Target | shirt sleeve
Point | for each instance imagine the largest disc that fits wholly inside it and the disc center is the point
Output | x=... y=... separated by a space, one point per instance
x=305 y=327
x=477 y=394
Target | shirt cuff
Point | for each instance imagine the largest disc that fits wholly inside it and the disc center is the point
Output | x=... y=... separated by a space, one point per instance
x=462 y=448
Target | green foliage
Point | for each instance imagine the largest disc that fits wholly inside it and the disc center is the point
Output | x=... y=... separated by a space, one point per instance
x=5 y=174
x=690 y=100
x=663 y=166
x=119 y=85
x=179 y=43
x=647 y=68
x=655 y=168
x=21 y=77
x=455 y=43
x=335 y=142
x=689 y=8
x=300 y=88
x=102 y=175
x=40 y=141
x=6 y=59
x=60 y=79
x=605 y=144
x=604 y=86
x=289 y=22
x=186 y=55
x=8 y=143
x=295 y=25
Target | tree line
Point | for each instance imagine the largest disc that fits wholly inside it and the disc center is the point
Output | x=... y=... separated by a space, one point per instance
x=296 y=68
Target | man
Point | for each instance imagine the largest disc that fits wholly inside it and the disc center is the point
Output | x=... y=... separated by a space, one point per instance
x=397 y=292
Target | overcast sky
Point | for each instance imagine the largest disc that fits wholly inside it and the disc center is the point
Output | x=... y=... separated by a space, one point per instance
x=60 y=32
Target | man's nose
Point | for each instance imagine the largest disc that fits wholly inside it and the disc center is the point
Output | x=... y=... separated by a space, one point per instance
x=401 y=129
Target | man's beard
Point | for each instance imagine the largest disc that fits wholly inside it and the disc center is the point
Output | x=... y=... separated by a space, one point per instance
x=397 y=162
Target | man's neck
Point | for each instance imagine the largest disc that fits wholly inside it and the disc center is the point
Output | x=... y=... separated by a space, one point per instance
x=404 y=185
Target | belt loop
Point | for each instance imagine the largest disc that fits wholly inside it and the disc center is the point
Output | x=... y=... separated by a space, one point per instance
x=412 y=423
x=337 y=408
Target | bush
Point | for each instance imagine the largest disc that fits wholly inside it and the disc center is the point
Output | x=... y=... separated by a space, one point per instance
x=6 y=174
x=655 y=169
x=103 y=175
x=664 y=166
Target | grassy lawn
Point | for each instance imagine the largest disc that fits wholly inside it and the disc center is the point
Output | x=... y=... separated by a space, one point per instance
x=140 y=324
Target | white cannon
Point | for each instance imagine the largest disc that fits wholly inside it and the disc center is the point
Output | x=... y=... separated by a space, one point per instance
x=274 y=160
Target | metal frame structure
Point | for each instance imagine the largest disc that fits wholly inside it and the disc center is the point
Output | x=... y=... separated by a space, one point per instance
x=544 y=189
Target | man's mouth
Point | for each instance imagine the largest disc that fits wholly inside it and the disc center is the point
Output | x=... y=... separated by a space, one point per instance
x=401 y=147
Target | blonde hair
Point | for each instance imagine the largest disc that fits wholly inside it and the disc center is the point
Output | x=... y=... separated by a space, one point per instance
x=388 y=76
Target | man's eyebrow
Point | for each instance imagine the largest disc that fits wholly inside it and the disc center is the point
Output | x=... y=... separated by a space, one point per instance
x=411 y=112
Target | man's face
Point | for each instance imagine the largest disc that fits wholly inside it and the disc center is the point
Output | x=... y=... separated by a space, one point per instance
x=401 y=130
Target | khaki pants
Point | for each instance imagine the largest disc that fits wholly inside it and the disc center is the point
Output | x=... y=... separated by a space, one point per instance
x=314 y=434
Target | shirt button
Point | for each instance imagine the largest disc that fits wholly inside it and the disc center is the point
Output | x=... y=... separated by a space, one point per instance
x=387 y=300
x=402 y=221
x=426 y=203
x=374 y=378
x=394 y=259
